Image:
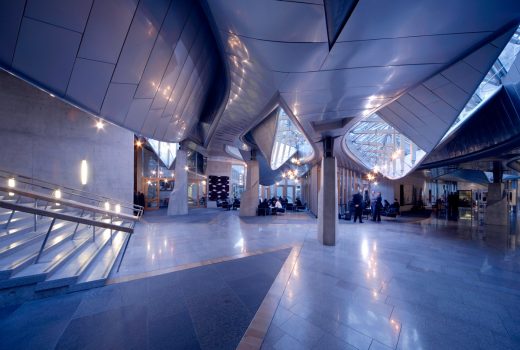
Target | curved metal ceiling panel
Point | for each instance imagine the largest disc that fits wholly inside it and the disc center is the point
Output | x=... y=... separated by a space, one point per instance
x=425 y=113
x=281 y=48
x=471 y=142
x=146 y=65
x=375 y=19
x=271 y=20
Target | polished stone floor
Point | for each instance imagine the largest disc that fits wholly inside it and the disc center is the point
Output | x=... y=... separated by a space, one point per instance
x=401 y=284
x=208 y=307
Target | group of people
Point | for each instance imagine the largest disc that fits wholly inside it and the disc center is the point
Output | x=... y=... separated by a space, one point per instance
x=376 y=207
x=279 y=204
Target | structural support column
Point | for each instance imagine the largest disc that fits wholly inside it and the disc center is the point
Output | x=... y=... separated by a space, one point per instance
x=496 y=208
x=249 y=199
x=328 y=196
x=178 y=203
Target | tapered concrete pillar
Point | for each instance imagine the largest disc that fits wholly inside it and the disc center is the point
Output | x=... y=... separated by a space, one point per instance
x=249 y=199
x=178 y=203
x=328 y=197
x=496 y=208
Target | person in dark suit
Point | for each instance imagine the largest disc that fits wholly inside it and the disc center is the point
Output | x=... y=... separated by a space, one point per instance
x=357 y=200
x=376 y=216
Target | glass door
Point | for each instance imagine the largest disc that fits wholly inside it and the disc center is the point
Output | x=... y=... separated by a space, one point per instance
x=151 y=193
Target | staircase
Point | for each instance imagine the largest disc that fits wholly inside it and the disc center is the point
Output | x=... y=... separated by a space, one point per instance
x=55 y=239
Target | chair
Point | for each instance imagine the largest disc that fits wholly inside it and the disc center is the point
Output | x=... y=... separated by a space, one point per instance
x=261 y=211
x=225 y=205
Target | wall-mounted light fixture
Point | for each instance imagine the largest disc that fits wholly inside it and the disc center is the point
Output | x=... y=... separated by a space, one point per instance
x=11 y=182
x=84 y=172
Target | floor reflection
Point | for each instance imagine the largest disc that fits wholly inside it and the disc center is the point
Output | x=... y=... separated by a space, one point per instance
x=400 y=284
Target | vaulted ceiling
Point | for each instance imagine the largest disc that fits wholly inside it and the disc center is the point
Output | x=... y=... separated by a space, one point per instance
x=156 y=67
x=417 y=62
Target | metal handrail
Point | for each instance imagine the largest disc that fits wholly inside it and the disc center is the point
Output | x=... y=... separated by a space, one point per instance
x=49 y=199
x=68 y=202
x=65 y=217
x=87 y=196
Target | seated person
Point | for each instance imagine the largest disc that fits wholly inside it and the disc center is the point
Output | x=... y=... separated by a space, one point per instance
x=263 y=208
x=298 y=202
x=278 y=208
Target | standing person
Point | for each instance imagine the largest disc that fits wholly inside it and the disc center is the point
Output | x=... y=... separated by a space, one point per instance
x=397 y=206
x=377 y=208
x=357 y=200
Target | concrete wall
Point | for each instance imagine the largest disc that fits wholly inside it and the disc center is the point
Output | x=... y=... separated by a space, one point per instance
x=45 y=138
x=217 y=167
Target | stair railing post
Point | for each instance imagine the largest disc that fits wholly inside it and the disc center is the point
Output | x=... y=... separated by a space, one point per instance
x=111 y=231
x=35 y=216
x=9 y=220
x=45 y=240
x=94 y=228
x=77 y=224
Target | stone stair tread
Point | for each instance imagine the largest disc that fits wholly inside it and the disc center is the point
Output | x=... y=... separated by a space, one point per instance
x=24 y=240
x=54 y=257
x=97 y=273
x=69 y=273
x=57 y=236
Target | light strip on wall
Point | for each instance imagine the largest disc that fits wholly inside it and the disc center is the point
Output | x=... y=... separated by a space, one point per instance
x=84 y=172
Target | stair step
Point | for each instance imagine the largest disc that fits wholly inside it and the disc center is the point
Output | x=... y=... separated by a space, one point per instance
x=27 y=239
x=17 y=221
x=50 y=261
x=27 y=255
x=70 y=272
x=98 y=272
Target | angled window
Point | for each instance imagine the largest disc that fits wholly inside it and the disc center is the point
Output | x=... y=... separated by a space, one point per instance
x=492 y=81
x=166 y=151
x=381 y=148
x=289 y=143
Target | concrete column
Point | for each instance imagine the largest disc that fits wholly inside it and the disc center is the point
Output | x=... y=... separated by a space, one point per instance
x=178 y=204
x=496 y=208
x=249 y=200
x=328 y=197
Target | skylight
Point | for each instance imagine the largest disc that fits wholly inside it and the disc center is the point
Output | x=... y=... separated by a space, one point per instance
x=382 y=148
x=289 y=142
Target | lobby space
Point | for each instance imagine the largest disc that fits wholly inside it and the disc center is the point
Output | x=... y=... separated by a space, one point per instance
x=192 y=174
x=398 y=284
